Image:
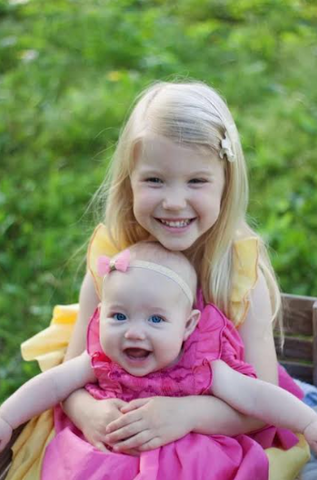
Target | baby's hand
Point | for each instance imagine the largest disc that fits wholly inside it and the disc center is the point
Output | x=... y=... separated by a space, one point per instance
x=310 y=433
x=5 y=433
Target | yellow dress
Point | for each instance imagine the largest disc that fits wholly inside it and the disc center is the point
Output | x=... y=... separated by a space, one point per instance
x=48 y=348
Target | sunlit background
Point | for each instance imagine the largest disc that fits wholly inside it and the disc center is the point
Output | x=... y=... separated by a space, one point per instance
x=69 y=71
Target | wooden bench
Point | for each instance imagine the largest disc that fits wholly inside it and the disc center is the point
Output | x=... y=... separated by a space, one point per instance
x=299 y=355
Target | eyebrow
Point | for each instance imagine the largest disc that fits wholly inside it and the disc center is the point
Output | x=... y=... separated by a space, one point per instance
x=202 y=172
x=156 y=171
x=114 y=306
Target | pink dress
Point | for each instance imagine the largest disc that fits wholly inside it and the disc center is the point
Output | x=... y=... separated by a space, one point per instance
x=193 y=457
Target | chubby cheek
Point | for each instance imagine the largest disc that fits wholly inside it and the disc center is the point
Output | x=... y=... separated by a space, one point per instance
x=106 y=339
x=144 y=202
x=171 y=350
x=209 y=208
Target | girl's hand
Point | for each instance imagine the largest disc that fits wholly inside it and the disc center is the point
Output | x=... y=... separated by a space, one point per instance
x=94 y=426
x=310 y=434
x=5 y=433
x=149 y=423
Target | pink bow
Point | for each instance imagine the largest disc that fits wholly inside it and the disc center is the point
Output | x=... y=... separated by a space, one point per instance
x=106 y=265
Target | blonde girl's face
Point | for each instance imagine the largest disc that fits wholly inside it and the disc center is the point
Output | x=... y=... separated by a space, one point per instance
x=177 y=191
x=144 y=320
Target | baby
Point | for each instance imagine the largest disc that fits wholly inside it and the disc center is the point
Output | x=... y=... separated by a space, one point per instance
x=142 y=339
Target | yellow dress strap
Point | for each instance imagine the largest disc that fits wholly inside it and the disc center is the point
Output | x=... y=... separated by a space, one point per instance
x=245 y=275
x=99 y=244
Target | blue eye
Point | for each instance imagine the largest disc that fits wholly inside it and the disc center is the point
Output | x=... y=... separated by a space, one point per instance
x=156 y=319
x=119 y=316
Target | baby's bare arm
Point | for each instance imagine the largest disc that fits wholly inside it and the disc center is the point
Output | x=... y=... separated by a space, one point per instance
x=45 y=391
x=263 y=400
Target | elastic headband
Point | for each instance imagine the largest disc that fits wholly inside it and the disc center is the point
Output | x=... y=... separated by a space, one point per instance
x=121 y=263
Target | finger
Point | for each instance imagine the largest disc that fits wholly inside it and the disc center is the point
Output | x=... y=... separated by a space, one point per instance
x=133 y=452
x=133 y=442
x=155 y=442
x=123 y=421
x=124 y=432
x=120 y=403
x=134 y=404
x=101 y=446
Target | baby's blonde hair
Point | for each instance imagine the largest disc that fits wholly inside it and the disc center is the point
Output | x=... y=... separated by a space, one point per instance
x=194 y=115
x=154 y=252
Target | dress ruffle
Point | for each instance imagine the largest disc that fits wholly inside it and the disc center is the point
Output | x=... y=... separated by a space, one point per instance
x=241 y=458
x=49 y=346
x=214 y=338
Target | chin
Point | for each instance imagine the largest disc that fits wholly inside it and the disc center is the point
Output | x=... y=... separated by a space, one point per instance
x=177 y=246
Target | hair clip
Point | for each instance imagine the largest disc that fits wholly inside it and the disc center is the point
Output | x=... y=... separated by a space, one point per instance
x=226 y=148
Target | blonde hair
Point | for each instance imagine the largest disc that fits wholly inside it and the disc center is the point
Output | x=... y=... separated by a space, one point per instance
x=194 y=115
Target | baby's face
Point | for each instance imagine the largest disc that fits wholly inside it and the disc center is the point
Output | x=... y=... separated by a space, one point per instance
x=144 y=320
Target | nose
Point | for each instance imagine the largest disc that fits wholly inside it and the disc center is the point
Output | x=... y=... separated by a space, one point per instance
x=175 y=199
x=134 y=332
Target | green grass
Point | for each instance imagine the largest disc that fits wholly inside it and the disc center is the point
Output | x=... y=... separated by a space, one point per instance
x=68 y=74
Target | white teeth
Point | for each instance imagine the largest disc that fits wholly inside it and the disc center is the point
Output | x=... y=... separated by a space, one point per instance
x=177 y=224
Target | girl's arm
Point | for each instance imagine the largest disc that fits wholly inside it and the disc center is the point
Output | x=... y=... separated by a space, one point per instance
x=42 y=392
x=91 y=416
x=257 y=333
x=263 y=400
x=88 y=302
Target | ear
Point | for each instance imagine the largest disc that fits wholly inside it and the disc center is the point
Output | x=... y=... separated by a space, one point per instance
x=191 y=323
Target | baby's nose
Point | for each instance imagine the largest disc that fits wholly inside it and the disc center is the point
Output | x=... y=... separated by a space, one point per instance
x=134 y=333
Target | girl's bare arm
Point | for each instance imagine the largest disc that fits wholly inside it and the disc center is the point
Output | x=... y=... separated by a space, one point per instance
x=257 y=334
x=88 y=302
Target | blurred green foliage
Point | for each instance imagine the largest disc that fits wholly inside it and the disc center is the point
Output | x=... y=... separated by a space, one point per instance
x=69 y=71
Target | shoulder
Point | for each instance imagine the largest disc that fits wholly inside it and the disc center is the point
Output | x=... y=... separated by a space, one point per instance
x=99 y=244
x=259 y=316
x=88 y=294
x=257 y=332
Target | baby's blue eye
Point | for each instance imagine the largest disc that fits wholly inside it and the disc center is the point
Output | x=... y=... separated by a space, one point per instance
x=119 y=316
x=156 y=319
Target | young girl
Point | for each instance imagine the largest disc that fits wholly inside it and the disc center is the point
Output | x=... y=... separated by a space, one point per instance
x=142 y=342
x=178 y=176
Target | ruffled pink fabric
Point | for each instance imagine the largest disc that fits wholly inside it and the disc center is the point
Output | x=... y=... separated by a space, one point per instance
x=214 y=338
x=189 y=458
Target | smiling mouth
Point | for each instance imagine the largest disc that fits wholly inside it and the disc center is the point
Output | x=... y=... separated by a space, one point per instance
x=136 y=353
x=176 y=223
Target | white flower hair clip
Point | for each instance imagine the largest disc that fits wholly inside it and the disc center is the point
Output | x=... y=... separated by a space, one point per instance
x=226 y=149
